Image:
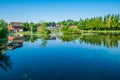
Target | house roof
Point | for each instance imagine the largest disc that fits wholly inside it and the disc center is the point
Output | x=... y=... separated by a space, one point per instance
x=16 y=23
x=58 y=26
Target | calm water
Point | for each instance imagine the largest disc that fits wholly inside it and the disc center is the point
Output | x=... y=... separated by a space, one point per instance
x=66 y=57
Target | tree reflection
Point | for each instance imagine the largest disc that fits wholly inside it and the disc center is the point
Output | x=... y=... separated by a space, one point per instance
x=34 y=38
x=109 y=40
x=44 y=39
x=43 y=43
x=5 y=63
x=30 y=38
x=69 y=38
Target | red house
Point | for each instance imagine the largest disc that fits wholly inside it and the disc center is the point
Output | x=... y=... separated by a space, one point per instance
x=15 y=27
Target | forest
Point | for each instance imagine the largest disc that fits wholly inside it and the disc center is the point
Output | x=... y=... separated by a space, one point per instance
x=108 y=22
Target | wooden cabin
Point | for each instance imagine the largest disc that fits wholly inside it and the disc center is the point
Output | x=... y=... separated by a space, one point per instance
x=15 y=27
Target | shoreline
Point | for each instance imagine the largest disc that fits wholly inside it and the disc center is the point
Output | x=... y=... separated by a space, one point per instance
x=82 y=32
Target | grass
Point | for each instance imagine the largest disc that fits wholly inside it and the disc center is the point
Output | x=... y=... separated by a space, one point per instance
x=82 y=31
x=35 y=33
x=25 y=32
x=99 y=31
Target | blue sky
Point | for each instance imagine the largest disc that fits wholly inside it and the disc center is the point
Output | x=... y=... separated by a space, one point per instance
x=56 y=10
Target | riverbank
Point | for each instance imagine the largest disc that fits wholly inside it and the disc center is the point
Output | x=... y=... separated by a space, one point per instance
x=99 y=31
x=82 y=32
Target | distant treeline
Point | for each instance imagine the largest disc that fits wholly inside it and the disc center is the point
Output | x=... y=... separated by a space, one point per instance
x=108 y=22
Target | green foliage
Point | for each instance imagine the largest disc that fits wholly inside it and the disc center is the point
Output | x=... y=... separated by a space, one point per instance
x=31 y=26
x=81 y=24
x=108 y=40
x=26 y=26
x=69 y=30
x=43 y=26
x=3 y=28
x=108 y=22
x=43 y=29
x=67 y=23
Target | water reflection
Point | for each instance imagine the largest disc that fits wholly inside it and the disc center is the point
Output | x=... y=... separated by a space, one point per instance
x=15 y=41
x=109 y=40
x=43 y=38
x=12 y=42
x=5 y=63
x=62 y=60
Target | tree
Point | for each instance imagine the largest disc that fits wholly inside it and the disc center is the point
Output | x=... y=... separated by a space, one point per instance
x=44 y=29
x=31 y=26
x=81 y=24
x=3 y=28
x=119 y=22
x=43 y=26
x=26 y=26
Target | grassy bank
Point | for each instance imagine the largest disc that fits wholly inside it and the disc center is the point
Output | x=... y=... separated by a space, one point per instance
x=99 y=31
x=82 y=31
x=38 y=33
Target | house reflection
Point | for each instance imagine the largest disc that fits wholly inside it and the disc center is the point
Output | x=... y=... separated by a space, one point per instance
x=15 y=41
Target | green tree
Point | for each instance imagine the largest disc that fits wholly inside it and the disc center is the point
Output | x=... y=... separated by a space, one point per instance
x=81 y=24
x=3 y=28
x=119 y=22
x=44 y=29
x=43 y=26
x=26 y=26
x=31 y=26
x=108 y=21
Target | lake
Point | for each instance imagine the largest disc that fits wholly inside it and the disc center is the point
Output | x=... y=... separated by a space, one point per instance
x=60 y=57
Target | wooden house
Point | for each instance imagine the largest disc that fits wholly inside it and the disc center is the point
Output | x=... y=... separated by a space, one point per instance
x=15 y=27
